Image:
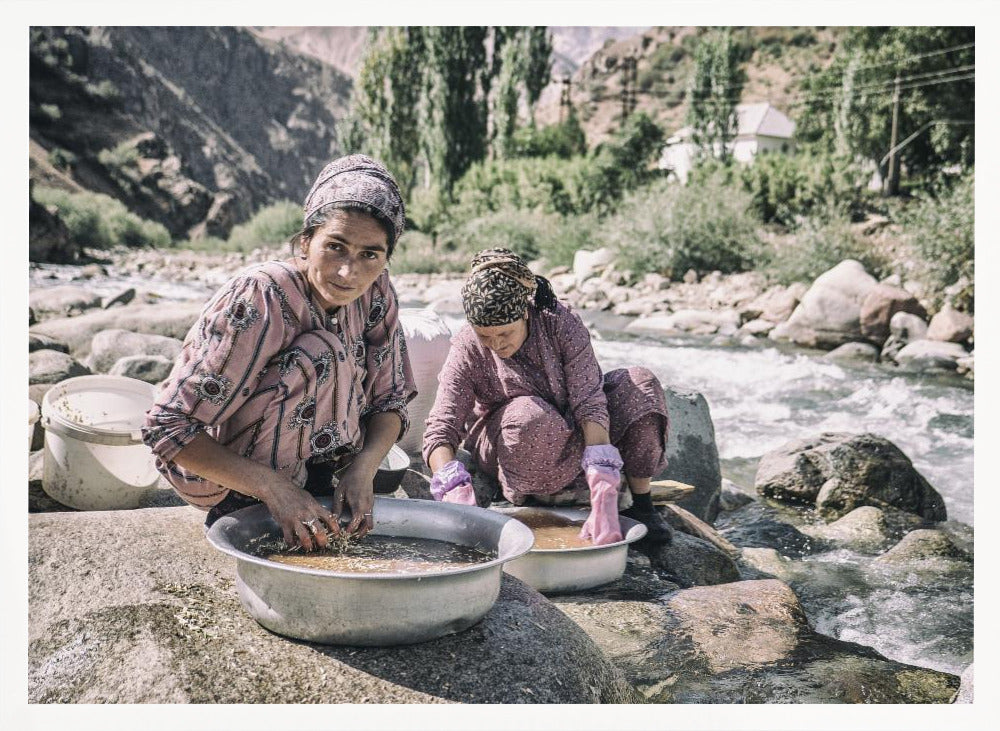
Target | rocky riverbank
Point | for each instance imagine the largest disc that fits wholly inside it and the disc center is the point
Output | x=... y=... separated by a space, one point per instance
x=734 y=611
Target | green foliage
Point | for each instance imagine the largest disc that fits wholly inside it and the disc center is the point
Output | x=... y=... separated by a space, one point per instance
x=669 y=228
x=564 y=140
x=942 y=229
x=62 y=159
x=819 y=245
x=104 y=90
x=415 y=252
x=50 y=112
x=122 y=157
x=713 y=92
x=848 y=106
x=506 y=97
x=269 y=226
x=99 y=221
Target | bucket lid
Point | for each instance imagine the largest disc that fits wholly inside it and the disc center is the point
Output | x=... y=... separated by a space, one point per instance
x=98 y=409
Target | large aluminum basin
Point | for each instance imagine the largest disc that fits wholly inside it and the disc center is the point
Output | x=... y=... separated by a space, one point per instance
x=379 y=608
x=563 y=570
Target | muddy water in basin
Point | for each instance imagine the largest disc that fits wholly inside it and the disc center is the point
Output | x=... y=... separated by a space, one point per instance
x=552 y=532
x=376 y=554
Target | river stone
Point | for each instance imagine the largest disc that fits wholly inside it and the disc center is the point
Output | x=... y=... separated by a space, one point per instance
x=950 y=325
x=854 y=351
x=135 y=606
x=110 y=346
x=922 y=544
x=907 y=327
x=692 y=561
x=770 y=533
x=745 y=642
x=733 y=496
x=588 y=263
x=766 y=563
x=839 y=472
x=863 y=530
x=692 y=455
x=62 y=300
x=171 y=320
x=829 y=313
x=928 y=354
x=880 y=305
x=53 y=366
x=148 y=368
x=696 y=322
x=758 y=327
x=37 y=341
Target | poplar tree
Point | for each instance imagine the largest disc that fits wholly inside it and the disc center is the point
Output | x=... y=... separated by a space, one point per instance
x=713 y=92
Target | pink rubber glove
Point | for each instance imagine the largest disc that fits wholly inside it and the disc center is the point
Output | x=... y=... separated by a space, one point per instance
x=602 y=466
x=453 y=484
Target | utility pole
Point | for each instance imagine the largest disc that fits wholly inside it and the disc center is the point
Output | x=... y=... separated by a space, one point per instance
x=628 y=86
x=564 y=100
x=892 y=179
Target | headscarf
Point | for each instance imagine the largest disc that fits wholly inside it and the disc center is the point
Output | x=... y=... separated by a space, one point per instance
x=500 y=287
x=359 y=182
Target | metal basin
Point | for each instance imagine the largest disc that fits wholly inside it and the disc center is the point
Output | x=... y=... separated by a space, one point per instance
x=379 y=608
x=562 y=570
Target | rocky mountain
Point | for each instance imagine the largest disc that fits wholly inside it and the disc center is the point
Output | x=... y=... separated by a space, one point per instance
x=338 y=46
x=193 y=127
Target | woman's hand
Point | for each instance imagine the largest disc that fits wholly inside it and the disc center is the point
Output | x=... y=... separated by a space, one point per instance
x=303 y=521
x=355 y=490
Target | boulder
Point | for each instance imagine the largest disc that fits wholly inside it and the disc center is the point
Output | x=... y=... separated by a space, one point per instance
x=950 y=326
x=37 y=341
x=733 y=496
x=172 y=319
x=692 y=455
x=693 y=561
x=62 y=300
x=854 y=351
x=777 y=303
x=829 y=313
x=148 y=368
x=931 y=354
x=863 y=530
x=766 y=563
x=758 y=327
x=588 y=263
x=879 y=306
x=745 y=642
x=110 y=346
x=924 y=543
x=53 y=366
x=775 y=534
x=136 y=607
x=904 y=328
x=838 y=472
x=696 y=322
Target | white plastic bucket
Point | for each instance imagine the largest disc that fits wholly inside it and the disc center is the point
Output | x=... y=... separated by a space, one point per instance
x=32 y=420
x=428 y=341
x=94 y=456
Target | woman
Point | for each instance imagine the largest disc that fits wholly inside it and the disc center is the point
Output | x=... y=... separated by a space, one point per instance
x=523 y=389
x=296 y=369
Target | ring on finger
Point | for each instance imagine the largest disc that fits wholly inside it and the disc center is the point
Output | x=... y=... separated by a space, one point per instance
x=310 y=524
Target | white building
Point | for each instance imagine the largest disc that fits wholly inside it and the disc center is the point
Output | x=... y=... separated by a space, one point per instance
x=760 y=128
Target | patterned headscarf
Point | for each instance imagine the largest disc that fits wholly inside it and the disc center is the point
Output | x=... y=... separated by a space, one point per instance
x=500 y=287
x=358 y=182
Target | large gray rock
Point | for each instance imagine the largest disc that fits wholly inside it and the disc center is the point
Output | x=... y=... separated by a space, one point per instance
x=829 y=313
x=931 y=354
x=53 y=366
x=950 y=325
x=692 y=561
x=37 y=341
x=880 y=305
x=62 y=300
x=148 y=368
x=838 y=472
x=778 y=303
x=745 y=642
x=904 y=328
x=864 y=352
x=696 y=322
x=172 y=319
x=136 y=607
x=925 y=543
x=588 y=263
x=864 y=530
x=692 y=455
x=110 y=346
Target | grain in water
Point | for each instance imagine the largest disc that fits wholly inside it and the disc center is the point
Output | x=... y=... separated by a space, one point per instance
x=552 y=532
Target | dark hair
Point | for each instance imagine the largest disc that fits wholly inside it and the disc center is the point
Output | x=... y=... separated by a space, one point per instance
x=324 y=214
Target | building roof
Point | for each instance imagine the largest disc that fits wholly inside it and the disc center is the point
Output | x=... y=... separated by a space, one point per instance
x=752 y=120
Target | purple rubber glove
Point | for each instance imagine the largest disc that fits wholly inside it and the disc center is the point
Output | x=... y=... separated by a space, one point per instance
x=602 y=465
x=453 y=484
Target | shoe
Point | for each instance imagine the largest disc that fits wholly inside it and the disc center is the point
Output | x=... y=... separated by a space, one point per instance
x=660 y=532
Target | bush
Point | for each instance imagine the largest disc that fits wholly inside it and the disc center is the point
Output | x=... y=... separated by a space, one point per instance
x=669 y=228
x=942 y=230
x=62 y=159
x=99 y=221
x=820 y=244
x=415 y=252
x=270 y=226
x=561 y=140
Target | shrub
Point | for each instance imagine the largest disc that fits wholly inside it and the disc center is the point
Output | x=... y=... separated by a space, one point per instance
x=942 y=230
x=819 y=244
x=50 y=112
x=415 y=252
x=669 y=228
x=99 y=221
x=564 y=140
x=61 y=159
x=269 y=226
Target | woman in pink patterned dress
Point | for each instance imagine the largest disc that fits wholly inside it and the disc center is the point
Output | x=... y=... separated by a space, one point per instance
x=523 y=390
x=296 y=369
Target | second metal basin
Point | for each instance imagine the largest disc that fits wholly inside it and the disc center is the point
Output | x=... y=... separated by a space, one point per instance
x=563 y=570
x=380 y=608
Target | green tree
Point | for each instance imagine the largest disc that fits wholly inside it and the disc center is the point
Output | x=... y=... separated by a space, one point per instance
x=713 y=92
x=537 y=65
x=848 y=106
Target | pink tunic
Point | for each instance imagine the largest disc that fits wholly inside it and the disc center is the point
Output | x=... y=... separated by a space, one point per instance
x=274 y=379
x=522 y=416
